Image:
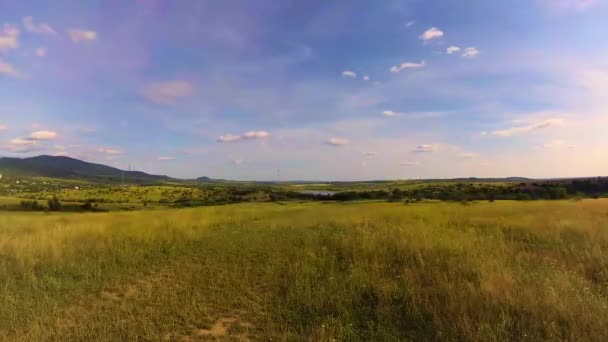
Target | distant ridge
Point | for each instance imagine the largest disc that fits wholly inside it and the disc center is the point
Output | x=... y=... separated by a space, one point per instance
x=66 y=167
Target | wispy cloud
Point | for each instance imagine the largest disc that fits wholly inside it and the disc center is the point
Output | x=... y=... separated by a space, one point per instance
x=9 y=38
x=559 y=145
x=469 y=155
x=410 y=163
x=166 y=158
x=167 y=92
x=40 y=28
x=349 y=74
x=452 y=49
x=366 y=78
x=7 y=69
x=41 y=52
x=470 y=52
x=249 y=135
x=552 y=122
x=3 y=128
x=431 y=33
x=42 y=135
x=407 y=65
x=109 y=151
x=337 y=142
x=424 y=148
x=410 y=23
x=80 y=35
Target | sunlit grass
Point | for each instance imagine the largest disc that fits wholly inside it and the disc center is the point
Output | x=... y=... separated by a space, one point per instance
x=309 y=271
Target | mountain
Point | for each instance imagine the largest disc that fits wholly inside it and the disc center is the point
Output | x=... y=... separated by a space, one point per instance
x=65 y=167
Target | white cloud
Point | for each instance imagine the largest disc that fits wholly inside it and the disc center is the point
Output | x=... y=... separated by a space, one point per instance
x=431 y=33
x=425 y=148
x=389 y=113
x=79 y=35
x=410 y=163
x=410 y=23
x=366 y=78
x=9 y=38
x=41 y=28
x=109 y=151
x=42 y=135
x=228 y=138
x=256 y=135
x=337 y=142
x=552 y=122
x=3 y=128
x=237 y=161
x=7 y=69
x=559 y=145
x=166 y=158
x=22 y=142
x=167 y=92
x=349 y=73
x=452 y=49
x=469 y=155
x=470 y=52
x=41 y=52
x=250 y=135
x=407 y=65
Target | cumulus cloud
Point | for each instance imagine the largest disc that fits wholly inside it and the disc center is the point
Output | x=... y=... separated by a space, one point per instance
x=389 y=113
x=40 y=28
x=166 y=158
x=250 y=135
x=559 y=145
x=452 y=49
x=470 y=52
x=9 y=38
x=349 y=73
x=552 y=122
x=80 y=35
x=337 y=142
x=407 y=65
x=431 y=33
x=109 y=151
x=255 y=135
x=425 y=148
x=41 y=52
x=42 y=135
x=167 y=92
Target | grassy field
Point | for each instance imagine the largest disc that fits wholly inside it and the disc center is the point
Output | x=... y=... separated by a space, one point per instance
x=310 y=272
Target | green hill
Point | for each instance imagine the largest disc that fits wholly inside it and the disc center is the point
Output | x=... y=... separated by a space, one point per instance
x=65 y=167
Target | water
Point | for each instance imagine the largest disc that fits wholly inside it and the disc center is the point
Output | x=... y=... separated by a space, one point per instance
x=318 y=192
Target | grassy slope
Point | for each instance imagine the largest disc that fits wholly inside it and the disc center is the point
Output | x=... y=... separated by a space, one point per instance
x=488 y=271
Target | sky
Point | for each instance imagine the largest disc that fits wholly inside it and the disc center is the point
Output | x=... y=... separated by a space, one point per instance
x=309 y=90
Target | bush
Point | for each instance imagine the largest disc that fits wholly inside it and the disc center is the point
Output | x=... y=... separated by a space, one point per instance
x=31 y=205
x=54 y=204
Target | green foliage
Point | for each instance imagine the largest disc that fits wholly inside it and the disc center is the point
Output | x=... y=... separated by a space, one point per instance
x=54 y=204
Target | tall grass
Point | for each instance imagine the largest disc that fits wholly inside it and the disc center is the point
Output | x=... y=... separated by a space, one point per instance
x=375 y=271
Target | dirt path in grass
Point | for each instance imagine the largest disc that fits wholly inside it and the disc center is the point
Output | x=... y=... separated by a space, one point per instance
x=190 y=299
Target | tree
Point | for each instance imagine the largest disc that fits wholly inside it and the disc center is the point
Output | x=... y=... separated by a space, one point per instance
x=54 y=204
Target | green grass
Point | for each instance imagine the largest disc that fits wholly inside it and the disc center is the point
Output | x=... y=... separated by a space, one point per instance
x=309 y=271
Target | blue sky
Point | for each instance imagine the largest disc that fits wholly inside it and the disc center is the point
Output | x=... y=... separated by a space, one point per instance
x=332 y=90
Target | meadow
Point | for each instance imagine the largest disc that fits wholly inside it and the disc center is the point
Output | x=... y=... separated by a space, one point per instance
x=291 y=271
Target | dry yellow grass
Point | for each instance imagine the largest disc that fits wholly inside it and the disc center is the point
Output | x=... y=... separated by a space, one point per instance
x=373 y=271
